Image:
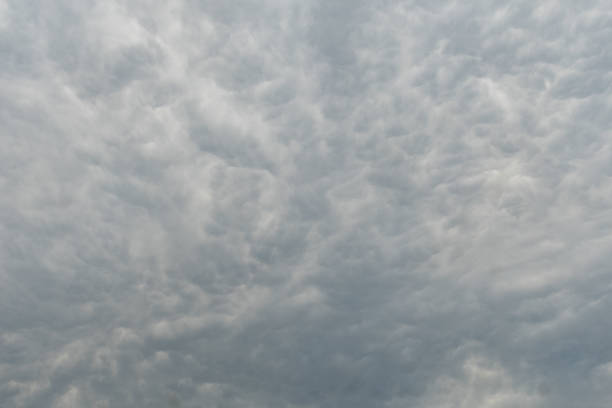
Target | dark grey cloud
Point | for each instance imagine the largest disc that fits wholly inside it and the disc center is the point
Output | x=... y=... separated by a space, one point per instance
x=305 y=204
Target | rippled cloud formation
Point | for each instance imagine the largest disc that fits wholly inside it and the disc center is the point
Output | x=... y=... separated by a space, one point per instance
x=305 y=203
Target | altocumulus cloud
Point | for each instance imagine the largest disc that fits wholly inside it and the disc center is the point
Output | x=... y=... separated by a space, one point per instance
x=282 y=203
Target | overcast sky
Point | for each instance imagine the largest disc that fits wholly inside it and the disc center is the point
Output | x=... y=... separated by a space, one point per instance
x=305 y=203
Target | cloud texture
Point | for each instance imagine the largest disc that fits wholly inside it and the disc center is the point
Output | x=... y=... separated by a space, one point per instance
x=317 y=203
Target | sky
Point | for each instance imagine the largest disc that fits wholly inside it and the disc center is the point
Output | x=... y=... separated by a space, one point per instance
x=305 y=203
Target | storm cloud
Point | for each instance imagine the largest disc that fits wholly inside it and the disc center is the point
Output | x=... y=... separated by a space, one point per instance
x=314 y=203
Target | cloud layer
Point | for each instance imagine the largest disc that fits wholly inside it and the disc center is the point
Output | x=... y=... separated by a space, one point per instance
x=312 y=203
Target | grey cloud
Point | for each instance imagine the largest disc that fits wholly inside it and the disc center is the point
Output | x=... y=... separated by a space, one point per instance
x=304 y=204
